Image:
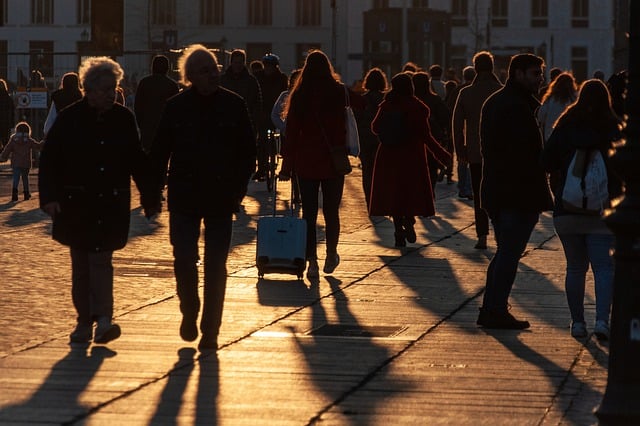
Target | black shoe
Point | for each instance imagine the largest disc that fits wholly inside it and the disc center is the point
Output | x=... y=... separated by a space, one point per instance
x=27 y=196
x=482 y=243
x=400 y=240
x=500 y=320
x=106 y=331
x=14 y=195
x=188 y=329
x=410 y=233
x=208 y=342
x=260 y=176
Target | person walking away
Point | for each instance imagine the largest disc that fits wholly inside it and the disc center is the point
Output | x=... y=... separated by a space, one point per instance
x=466 y=133
x=68 y=93
x=589 y=127
x=562 y=93
x=514 y=188
x=152 y=94
x=408 y=194
x=272 y=82
x=439 y=121
x=315 y=125
x=7 y=114
x=437 y=85
x=20 y=149
x=206 y=138
x=91 y=153
x=375 y=84
x=465 y=190
x=238 y=79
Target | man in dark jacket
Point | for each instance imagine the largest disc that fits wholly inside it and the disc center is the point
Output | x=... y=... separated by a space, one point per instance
x=91 y=153
x=238 y=79
x=514 y=188
x=272 y=82
x=206 y=133
x=151 y=95
x=466 y=132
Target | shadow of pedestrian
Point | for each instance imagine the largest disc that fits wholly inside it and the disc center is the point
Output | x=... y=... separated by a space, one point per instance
x=208 y=390
x=172 y=395
x=75 y=370
x=358 y=359
x=567 y=387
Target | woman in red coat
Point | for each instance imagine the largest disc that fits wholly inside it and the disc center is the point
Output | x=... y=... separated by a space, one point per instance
x=401 y=185
x=316 y=123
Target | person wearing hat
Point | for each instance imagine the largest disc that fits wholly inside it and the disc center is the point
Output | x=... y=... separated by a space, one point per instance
x=272 y=82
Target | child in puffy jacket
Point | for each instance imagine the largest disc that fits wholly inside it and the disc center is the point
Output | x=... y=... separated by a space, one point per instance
x=20 y=150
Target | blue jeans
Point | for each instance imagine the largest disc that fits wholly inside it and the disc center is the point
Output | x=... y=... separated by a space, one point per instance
x=21 y=172
x=512 y=229
x=464 y=180
x=331 y=198
x=582 y=250
x=184 y=233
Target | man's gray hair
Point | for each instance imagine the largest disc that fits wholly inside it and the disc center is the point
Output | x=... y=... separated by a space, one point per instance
x=185 y=63
x=94 y=68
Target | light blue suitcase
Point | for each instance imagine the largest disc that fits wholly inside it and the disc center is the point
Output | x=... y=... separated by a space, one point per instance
x=281 y=244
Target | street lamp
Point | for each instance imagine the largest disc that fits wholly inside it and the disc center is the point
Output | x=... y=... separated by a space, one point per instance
x=621 y=402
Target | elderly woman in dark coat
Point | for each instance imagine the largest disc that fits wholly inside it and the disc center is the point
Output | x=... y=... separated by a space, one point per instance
x=401 y=185
x=91 y=152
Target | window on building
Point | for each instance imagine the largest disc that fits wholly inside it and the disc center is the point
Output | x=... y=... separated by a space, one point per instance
x=380 y=4
x=260 y=12
x=308 y=13
x=539 y=13
x=211 y=12
x=3 y=12
x=163 y=12
x=580 y=13
x=499 y=13
x=41 y=57
x=42 y=11
x=417 y=4
x=459 y=13
x=580 y=62
x=3 y=59
x=255 y=51
x=302 y=50
x=84 y=12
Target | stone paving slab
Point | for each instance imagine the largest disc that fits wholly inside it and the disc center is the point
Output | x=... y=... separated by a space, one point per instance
x=289 y=351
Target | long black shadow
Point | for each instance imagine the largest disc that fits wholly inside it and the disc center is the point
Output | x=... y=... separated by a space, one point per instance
x=171 y=398
x=208 y=390
x=76 y=370
x=564 y=381
x=360 y=356
x=285 y=292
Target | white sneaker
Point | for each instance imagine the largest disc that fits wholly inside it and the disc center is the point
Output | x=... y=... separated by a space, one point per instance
x=601 y=330
x=579 y=329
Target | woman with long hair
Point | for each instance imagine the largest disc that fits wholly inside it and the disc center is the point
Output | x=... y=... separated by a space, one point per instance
x=316 y=125
x=561 y=93
x=591 y=126
x=401 y=185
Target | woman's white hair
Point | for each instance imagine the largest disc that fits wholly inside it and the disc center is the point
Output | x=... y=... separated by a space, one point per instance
x=94 y=68
x=185 y=63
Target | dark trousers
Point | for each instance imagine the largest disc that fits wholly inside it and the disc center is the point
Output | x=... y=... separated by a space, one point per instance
x=482 y=219
x=512 y=229
x=184 y=231
x=92 y=284
x=331 y=198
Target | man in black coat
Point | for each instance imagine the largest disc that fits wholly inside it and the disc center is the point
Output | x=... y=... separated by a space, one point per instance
x=514 y=188
x=206 y=134
x=91 y=153
x=151 y=96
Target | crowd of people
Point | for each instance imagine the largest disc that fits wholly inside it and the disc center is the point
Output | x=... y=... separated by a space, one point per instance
x=513 y=142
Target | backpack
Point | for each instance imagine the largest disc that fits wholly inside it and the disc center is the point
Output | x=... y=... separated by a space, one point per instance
x=393 y=128
x=585 y=188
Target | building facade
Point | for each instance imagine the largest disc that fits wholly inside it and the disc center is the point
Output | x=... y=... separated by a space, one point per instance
x=52 y=35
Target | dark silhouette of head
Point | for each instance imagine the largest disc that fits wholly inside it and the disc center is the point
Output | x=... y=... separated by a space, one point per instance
x=160 y=64
x=375 y=80
x=483 y=61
